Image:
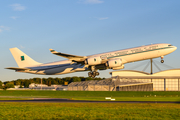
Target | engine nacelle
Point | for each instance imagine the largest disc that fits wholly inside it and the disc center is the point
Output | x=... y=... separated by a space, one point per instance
x=114 y=63
x=93 y=61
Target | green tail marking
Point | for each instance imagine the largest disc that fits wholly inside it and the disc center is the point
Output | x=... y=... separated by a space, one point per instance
x=22 y=58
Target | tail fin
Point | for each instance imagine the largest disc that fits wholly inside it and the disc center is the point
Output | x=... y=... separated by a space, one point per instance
x=22 y=59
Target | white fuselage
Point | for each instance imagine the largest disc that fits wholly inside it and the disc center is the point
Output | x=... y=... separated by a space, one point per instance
x=127 y=56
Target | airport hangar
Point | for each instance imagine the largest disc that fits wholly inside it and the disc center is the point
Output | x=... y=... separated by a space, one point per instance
x=131 y=80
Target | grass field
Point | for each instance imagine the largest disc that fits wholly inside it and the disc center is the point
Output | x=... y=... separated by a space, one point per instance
x=89 y=111
x=92 y=95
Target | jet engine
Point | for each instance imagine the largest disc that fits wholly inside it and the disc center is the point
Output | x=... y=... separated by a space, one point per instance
x=114 y=63
x=93 y=61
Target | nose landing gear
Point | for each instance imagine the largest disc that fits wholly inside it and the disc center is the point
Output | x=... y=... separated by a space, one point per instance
x=162 y=61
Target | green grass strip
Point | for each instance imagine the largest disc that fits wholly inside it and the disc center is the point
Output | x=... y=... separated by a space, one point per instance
x=88 y=111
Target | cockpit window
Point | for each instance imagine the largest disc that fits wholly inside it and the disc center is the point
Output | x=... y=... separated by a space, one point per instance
x=169 y=45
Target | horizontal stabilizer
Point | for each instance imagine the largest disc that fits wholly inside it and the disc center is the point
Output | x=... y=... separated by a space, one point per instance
x=69 y=56
x=16 y=68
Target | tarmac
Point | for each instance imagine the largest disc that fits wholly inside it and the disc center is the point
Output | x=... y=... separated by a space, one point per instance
x=59 y=100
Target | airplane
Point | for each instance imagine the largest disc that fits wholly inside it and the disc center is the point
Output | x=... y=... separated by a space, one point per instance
x=110 y=60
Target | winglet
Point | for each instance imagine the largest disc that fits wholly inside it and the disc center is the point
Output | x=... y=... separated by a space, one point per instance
x=52 y=51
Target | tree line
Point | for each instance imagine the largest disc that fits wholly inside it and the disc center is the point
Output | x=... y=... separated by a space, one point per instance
x=48 y=81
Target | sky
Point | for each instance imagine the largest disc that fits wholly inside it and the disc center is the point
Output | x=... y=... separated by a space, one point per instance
x=85 y=27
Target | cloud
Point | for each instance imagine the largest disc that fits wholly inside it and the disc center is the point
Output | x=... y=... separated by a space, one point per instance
x=2 y=28
x=103 y=18
x=91 y=1
x=14 y=17
x=18 y=7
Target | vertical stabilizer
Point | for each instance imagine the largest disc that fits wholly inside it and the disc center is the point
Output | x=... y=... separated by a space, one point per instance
x=22 y=59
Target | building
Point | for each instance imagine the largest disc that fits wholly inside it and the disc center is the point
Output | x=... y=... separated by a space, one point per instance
x=92 y=85
x=110 y=85
x=131 y=80
x=168 y=80
x=32 y=85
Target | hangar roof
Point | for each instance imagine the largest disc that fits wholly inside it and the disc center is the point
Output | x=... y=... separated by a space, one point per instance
x=172 y=73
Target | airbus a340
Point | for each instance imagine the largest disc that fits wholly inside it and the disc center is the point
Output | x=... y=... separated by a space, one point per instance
x=109 y=60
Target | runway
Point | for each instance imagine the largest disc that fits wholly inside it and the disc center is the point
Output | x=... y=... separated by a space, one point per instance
x=59 y=100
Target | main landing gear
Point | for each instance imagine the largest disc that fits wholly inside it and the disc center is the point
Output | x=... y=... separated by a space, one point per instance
x=93 y=72
x=162 y=61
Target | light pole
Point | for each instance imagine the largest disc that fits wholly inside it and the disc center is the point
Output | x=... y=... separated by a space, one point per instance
x=151 y=66
x=41 y=83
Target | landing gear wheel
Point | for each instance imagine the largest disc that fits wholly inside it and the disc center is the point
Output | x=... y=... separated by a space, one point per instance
x=162 y=61
x=97 y=73
x=94 y=73
x=89 y=74
x=93 y=76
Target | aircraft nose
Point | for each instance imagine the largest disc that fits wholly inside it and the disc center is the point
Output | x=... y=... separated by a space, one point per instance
x=174 y=48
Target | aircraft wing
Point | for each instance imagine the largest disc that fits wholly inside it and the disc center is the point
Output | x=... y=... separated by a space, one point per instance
x=69 y=56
